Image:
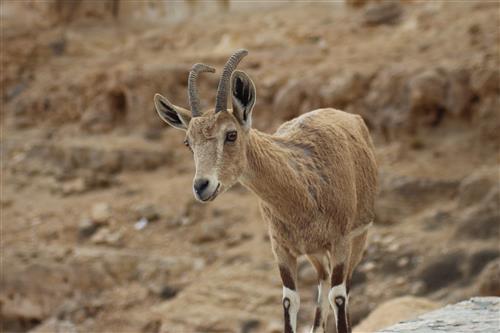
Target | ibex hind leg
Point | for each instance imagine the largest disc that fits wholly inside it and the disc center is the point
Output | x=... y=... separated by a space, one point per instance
x=322 y=306
x=338 y=296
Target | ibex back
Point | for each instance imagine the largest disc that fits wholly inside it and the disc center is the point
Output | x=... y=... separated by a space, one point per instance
x=315 y=178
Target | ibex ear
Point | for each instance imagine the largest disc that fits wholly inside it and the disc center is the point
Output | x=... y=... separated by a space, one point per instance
x=173 y=115
x=243 y=96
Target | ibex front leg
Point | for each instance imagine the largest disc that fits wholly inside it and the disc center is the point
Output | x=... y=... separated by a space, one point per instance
x=338 y=295
x=291 y=300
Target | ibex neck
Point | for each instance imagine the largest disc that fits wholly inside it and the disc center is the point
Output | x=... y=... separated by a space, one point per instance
x=270 y=171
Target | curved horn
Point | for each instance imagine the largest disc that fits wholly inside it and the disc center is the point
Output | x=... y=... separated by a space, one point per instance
x=194 y=100
x=234 y=60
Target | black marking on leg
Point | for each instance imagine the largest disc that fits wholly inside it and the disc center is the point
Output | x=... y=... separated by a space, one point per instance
x=317 y=317
x=286 y=311
x=286 y=277
x=338 y=275
x=342 y=322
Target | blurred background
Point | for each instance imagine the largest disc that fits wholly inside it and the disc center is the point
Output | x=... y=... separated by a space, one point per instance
x=100 y=230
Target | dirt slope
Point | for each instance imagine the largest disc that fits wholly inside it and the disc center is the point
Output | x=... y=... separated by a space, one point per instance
x=84 y=158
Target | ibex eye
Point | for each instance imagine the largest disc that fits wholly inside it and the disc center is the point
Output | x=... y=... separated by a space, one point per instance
x=231 y=136
x=186 y=143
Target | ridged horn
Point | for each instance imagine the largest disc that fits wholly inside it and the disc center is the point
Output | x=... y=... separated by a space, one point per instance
x=194 y=99
x=229 y=67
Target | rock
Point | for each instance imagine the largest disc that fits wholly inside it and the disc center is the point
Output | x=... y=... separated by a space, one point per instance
x=475 y=187
x=147 y=211
x=344 y=90
x=87 y=228
x=296 y=97
x=427 y=97
x=107 y=237
x=168 y=292
x=387 y=100
x=480 y=221
x=249 y=326
x=417 y=189
x=74 y=186
x=359 y=309
x=400 y=196
x=488 y=283
x=101 y=212
x=441 y=271
x=479 y=314
x=479 y=259
x=17 y=308
x=437 y=219
x=386 y=12
x=395 y=310
x=209 y=232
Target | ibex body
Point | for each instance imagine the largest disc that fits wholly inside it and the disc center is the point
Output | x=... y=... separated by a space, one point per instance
x=315 y=178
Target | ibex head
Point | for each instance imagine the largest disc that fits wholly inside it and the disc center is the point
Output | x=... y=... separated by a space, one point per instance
x=217 y=137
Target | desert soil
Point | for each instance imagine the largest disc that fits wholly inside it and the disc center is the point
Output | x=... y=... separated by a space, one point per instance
x=85 y=158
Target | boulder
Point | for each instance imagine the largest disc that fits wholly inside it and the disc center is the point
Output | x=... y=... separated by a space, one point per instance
x=479 y=314
x=481 y=258
x=427 y=97
x=395 y=310
x=488 y=283
x=480 y=221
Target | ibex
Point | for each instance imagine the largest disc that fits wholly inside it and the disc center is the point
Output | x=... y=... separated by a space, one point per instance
x=315 y=178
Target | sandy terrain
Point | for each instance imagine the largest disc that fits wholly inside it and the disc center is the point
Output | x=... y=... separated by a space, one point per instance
x=84 y=158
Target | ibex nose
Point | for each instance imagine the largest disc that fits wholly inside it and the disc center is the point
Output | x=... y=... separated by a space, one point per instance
x=200 y=185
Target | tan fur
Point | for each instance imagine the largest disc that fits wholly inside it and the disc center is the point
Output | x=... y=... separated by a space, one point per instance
x=316 y=179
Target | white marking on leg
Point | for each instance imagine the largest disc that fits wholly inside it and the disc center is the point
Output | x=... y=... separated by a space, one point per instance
x=337 y=291
x=293 y=309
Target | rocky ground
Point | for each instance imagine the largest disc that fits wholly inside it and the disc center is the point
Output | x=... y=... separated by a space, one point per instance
x=100 y=231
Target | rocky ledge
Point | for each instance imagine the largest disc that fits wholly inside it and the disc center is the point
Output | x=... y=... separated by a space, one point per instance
x=479 y=314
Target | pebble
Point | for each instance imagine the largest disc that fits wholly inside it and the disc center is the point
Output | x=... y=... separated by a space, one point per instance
x=147 y=211
x=107 y=237
x=402 y=262
x=101 y=212
x=74 y=186
x=87 y=228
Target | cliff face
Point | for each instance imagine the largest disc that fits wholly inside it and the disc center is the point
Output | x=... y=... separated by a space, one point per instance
x=479 y=314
